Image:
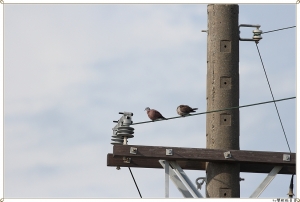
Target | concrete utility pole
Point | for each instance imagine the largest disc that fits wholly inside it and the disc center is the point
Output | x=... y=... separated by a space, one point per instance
x=222 y=128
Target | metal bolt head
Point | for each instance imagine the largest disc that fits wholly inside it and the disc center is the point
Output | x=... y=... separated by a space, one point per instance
x=126 y=159
x=133 y=150
x=169 y=152
x=286 y=157
x=227 y=155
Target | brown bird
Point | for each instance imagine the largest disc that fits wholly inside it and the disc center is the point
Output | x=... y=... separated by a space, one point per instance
x=184 y=110
x=153 y=114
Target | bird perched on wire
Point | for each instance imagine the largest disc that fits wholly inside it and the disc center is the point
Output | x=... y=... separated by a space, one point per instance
x=154 y=114
x=184 y=110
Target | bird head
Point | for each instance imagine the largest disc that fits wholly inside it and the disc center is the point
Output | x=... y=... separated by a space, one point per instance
x=147 y=109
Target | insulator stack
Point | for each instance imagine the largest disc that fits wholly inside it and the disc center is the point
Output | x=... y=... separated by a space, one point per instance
x=122 y=131
x=256 y=33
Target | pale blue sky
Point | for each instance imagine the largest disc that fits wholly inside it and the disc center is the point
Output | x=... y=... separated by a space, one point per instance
x=69 y=69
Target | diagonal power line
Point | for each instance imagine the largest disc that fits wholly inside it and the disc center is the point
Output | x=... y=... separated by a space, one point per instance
x=219 y=110
x=273 y=98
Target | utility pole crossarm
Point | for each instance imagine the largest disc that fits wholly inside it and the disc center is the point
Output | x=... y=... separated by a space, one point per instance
x=206 y=155
x=145 y=162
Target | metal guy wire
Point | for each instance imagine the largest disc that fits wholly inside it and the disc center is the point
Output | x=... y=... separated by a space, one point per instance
x=135 y=182
x=273 y=98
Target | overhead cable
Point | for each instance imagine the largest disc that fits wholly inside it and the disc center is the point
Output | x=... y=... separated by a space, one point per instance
x=219 y=110
x=278 y=29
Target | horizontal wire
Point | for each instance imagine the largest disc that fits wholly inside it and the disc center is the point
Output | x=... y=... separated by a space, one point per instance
x=279 y=29
x=260 y=103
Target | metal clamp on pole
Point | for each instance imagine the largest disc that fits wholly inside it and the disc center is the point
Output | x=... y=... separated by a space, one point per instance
x=199 y=185
x=256 y=33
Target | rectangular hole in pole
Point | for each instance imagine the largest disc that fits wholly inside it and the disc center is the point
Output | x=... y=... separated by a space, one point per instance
x=225 y=46
x=225 y=193
x=225 y=119
x=225 y=82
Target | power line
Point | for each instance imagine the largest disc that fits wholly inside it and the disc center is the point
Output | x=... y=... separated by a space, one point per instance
x=219 y=110
x=135 y=182
x=273 y=97
x=279 y=29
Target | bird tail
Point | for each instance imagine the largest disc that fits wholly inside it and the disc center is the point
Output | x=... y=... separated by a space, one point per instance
x=195 y=109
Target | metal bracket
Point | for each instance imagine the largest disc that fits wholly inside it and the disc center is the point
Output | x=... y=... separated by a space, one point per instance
x=180 y=179
x=266 y=182
x=126 y=159
x=133 y=150
x=167 y=174
x=256 y=33
x=227 y=155
x=286 y=157
x=169 y=152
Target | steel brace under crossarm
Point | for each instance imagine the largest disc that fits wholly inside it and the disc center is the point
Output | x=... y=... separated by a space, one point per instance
x=180 y=179
x=266 y=182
